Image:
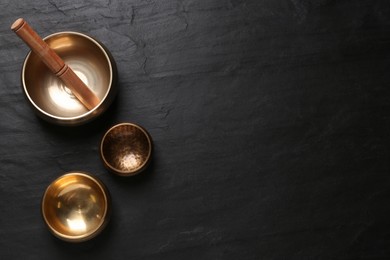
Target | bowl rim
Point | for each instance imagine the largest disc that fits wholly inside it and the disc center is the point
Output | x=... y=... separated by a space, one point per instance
x=104 y=220
x=139 y=168
x=111 y=80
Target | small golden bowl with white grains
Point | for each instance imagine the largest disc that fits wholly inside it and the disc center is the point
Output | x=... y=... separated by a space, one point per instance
x=126 y=149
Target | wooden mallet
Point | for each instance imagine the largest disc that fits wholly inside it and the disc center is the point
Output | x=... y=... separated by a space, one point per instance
x=81 y=91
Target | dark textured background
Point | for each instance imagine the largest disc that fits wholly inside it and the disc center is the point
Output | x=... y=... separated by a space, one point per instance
x=270 y=121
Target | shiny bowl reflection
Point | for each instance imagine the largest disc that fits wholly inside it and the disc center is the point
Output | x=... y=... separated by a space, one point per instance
x=48 y=95
x=75 y=207
x=126 y=149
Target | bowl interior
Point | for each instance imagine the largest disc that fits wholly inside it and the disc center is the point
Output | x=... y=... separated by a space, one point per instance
x=74 y=206
x=126 y=148
x=85 y=56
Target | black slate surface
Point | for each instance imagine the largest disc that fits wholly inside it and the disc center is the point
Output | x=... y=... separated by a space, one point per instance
x=270 y=121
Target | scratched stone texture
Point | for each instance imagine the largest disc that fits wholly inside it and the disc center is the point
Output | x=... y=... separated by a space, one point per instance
x=270 y=122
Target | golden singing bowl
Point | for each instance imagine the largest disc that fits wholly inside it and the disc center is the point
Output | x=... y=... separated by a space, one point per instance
x=49 y=96
x=76 y=207
x=126 y=149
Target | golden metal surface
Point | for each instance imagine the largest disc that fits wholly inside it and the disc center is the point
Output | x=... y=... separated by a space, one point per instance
x=49 y=96
x=75 y=207
x=126 y=149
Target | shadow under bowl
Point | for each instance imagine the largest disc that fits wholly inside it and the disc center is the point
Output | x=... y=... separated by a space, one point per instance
x=126 y=149
x=76 y=207
x=48 y=95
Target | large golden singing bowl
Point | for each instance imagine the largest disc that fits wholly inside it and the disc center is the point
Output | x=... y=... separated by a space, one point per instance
x=49 y=96
x=126 y=149
x=76 y=207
